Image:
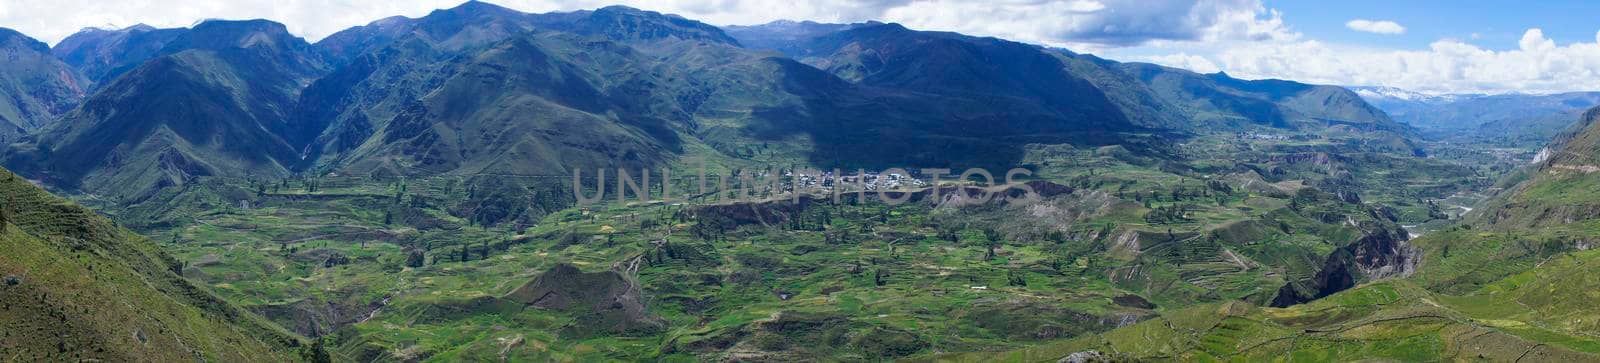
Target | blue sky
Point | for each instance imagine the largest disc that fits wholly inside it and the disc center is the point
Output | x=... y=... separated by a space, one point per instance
x=1465 y=46
x=1497 y=24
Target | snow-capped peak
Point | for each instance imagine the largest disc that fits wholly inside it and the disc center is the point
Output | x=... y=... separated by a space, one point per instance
x=1383 y=92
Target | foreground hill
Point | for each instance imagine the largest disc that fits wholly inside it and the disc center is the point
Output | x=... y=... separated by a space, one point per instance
x=35 y=87
x=78 y=287
x=214 y=103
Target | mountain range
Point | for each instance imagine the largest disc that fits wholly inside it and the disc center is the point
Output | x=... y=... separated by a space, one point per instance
x=213 y=101
x=482 y=89
x=1508 y=120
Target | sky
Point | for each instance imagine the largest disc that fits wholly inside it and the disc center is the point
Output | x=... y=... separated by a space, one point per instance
x=1457 y=46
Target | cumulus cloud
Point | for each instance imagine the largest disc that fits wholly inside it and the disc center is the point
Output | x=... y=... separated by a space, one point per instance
x=1375 y=26
x=1537 y=65
x=1186 y=61
x=1096 y=24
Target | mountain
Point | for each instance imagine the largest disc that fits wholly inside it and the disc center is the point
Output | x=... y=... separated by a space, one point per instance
x=101 y=55
x=1093 y=91
x=392 y=63
x=1007 y=75
x=429 y=59
x=214 y=102
x=389 y=64
x=1381 y=95
x=523 y=107
x=35 y=87
x=471 y=24
x=1506 y=120
x=626 y=24
x=785 y=35
x=78 y=287
x=673 y=81
x=1216 y=98
x=475 y=23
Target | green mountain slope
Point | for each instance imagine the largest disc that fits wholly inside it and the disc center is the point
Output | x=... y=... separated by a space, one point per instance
x=1558 y=188
x=78 y=287
x=391 y=64
x=35 y=87
x=518 y=108
x=386 y=66
x=215 y=102
x=1384 y=321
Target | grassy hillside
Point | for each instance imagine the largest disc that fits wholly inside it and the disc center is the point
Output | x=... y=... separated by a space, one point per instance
x=77 y=287
x=1385 y=321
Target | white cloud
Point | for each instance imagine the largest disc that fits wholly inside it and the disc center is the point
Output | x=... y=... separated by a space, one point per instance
x=1537 y=65
x=1186 y=61
x=1375 y=26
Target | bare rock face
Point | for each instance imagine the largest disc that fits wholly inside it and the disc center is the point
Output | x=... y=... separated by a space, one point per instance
x=606 y=302
x=1087 y=356
x=1383 y=253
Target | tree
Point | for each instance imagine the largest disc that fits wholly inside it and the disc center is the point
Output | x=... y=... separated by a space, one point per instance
x=1015 y=279
x=993 y=237
x=949 y=233
x=319 y=352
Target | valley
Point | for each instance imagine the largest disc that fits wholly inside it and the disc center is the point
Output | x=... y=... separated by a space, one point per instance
x=382 y=268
